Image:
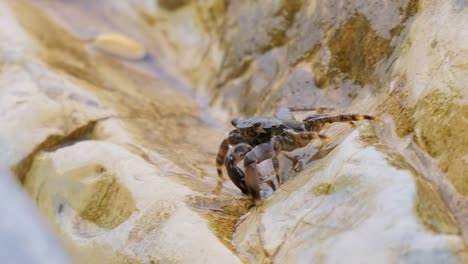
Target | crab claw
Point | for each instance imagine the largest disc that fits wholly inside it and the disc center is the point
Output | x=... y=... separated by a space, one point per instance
x=236 y=154
x=257 y=155
x=253 y=182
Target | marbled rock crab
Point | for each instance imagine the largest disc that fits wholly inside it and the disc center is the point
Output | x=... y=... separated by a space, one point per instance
x=259 y=138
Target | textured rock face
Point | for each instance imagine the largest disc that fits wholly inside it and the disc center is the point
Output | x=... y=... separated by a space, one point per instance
x=377 y=58
x=94 y=199
x=114 y=154
x=115 y=136
x=354 y=204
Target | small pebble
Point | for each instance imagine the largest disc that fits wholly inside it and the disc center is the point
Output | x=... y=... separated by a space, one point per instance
x=119 y=45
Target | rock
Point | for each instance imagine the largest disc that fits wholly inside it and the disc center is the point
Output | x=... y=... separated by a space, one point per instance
x=95 y=191
x=355 y=58
x=25 y=237
x=433 y=69
x=78 y=107
x=369 y=204
x=40 y=108
x=119 y=45
x=44 y=110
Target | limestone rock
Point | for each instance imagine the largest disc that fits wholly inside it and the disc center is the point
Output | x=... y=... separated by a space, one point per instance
x=102 y=148
x=352 y=206
x=351 y=56
x=100 y=194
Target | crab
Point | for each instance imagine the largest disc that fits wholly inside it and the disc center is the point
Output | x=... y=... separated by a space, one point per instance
x=260 y=138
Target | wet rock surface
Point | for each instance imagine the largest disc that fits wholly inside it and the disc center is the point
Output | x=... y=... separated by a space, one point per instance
x=119 y=155
x=112 y=114
x=353 y=204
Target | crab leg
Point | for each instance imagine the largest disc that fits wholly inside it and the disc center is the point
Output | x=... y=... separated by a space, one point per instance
x=236 y=154
x=275 y=161
x=233 y=139
x=223 y=150
x=316 y=122
x=293 y=140
x=257 y=155
x=289 y=142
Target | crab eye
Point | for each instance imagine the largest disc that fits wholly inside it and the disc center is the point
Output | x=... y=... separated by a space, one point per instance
x=234 y=121
x=257 y=126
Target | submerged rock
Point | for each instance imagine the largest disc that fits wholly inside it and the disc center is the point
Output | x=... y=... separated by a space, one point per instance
x=119 y=45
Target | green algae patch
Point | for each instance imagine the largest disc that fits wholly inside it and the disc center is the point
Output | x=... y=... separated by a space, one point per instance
x=323 y=189
x=110 y=203
x=307 y=56
x=367 y=135
x=153 y=219
x=428 y=204
x=396 y=31
x=234 y=68
x=222 y=214
x=412 y=7
x=60 y=49
x=356 y=50
x=173 y=5
x=322 y=76
x=210 y=15
x=92 y=191
x=441 y=123
x=326 y=188
x=432 y=211
x=287 y=13
x=261 y=28
x=52 y=142
x=396 y=105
